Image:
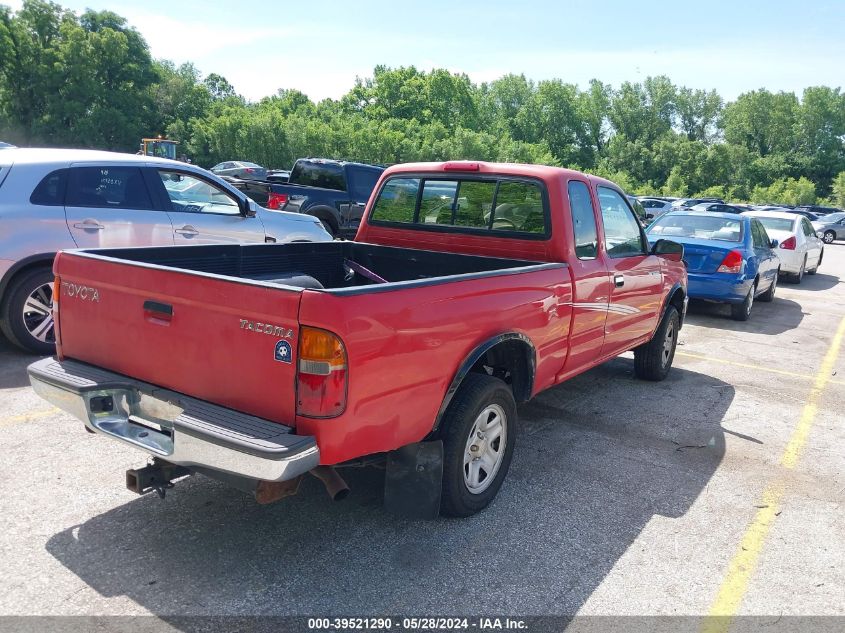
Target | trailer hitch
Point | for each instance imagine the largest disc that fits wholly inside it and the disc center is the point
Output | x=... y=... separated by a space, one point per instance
x=157 y=476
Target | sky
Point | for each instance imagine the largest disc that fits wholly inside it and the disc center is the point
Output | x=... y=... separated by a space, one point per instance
x=321 y=46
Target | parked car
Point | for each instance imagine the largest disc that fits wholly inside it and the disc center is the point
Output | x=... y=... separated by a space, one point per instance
x=278 y=175
x=691 y=202
x=240 y=169
x=655 y=207
x=334 y=191
x=812 y=217
x=830 y=227
x=717 y=207
x=729 y=257
x=6 y=145
x=819 y=211
x=799 y=249
x=256 y=364
x=52 y=199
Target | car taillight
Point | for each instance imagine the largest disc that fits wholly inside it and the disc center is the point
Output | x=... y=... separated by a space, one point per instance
x=277 y=200
x=57 y=290
x=788 y=243
x=322 y=376
x=732 y=263
x=249 y=170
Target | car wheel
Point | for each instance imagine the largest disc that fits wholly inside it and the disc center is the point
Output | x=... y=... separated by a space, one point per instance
x=799 y=276
x=742 y=311
x=829 y=236
x=479 y=430
x=653 y=360
x=769 y=295
x=27 y=316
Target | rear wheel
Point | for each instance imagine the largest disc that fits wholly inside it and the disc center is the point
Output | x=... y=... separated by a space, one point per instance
x=769 y=295
x=742 y=311
x=479 y=430
x=27 y=315
x=653 y=360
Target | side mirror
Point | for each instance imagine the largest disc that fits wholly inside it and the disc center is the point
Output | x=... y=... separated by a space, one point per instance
x=773 y=244
x=247 y=208
x=649 y=216
x=667 y=249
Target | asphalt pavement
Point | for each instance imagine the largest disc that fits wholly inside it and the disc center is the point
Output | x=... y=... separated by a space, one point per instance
x=717 y=491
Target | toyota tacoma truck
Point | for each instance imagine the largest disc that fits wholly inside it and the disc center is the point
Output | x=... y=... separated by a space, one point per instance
x=470 y=287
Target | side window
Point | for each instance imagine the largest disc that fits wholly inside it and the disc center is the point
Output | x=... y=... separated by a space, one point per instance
x=583 y=220
x=759 y=235
x=189 y=194
x=397 y=200
x=108 y=187
x=51 y=190
x=519 y=207
x=622 y=236
x=363 y=183
x=808 y=228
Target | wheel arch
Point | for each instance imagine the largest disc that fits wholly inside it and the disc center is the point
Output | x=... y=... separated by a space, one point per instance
x=319 y=210
x=22 y=267
x=511 y=351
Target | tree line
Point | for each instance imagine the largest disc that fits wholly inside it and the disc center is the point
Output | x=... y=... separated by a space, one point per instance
x=89 y=80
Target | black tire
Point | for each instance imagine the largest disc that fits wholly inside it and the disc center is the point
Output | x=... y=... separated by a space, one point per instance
x=799 y=276
x=476 y=393
x=652 y=360
x=769 y=295
x=829 y=236
x=327 y=219
x=13 y=321
x=742 y=311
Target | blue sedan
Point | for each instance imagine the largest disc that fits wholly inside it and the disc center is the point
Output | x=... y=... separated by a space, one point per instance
x=729 y=257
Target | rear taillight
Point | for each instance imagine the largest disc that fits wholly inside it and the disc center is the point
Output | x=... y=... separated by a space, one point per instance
x=322 y=376
x=57 y=290
x=277 y=200
x=788 y=243
x=249 y=170
x=732 y=263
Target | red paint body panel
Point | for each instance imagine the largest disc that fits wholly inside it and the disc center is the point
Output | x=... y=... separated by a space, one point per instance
x=404 y=345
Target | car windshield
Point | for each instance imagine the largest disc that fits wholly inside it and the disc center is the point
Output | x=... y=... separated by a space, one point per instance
x=250 y=165
x=777 y=224
x=698 y=226
x=833 y=217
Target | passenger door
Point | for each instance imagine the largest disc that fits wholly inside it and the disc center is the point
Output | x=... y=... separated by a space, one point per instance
x=204 y=213
x=591 y=292
x=767 y=260
x=814 y=244
x=636 y=277
x=110 y=205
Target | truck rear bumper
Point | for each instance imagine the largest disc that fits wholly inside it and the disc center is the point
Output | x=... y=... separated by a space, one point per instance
x=172 y=426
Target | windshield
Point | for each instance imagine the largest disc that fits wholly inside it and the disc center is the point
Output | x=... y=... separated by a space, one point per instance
x=698 y=226
x=777 y=224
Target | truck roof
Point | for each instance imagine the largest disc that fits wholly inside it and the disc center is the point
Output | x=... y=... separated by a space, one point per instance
x=543 y=172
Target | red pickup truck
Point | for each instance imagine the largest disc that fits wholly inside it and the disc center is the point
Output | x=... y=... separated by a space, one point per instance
x=470 y=287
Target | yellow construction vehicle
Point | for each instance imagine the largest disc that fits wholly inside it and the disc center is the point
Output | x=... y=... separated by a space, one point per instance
x=160 y=147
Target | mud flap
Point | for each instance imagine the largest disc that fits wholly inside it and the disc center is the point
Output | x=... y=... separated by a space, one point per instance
x=414 y=480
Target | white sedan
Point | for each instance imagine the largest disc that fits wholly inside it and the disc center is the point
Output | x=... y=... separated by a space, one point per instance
x=799 y=248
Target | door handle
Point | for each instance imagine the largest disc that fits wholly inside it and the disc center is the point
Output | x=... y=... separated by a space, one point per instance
x=187 y=230
x=158 y=313
x=89 y=224
x=618 y=280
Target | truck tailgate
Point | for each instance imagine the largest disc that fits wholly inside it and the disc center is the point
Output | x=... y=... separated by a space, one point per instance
x=209 y=337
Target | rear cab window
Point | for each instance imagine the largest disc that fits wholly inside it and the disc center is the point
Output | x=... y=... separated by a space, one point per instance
x=314 y=174
x=510 y=207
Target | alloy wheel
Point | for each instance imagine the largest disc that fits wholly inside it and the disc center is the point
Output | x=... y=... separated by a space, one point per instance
x=38 y=314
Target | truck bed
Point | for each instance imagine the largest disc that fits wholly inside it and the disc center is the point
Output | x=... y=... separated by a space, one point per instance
x=221 y=323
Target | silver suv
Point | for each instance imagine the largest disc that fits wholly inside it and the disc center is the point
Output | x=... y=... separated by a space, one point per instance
x=54 y=199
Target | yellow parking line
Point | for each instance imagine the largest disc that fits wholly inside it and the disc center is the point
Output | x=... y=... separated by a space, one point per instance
x=28 y=417
x=744 y=562
x=771 y=370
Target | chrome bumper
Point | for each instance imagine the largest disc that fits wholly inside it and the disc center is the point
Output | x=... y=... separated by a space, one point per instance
x=172 y=426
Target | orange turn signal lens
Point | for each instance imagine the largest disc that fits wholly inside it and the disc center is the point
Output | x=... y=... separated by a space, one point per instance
x=320 y=352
